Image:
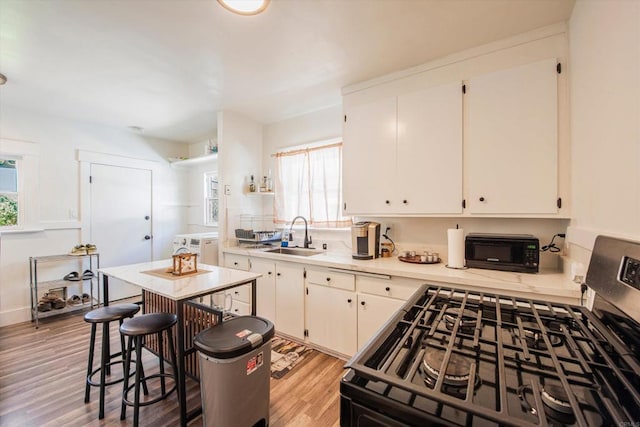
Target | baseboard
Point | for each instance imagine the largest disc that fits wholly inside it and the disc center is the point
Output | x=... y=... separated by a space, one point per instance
x=17 y=315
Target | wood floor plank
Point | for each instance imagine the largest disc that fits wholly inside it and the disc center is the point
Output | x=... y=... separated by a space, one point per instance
x=42 y=373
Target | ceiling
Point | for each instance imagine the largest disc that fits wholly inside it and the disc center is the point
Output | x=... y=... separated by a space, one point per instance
x=169 y=66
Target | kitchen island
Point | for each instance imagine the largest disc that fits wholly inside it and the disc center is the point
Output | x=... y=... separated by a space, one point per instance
x=181 y=295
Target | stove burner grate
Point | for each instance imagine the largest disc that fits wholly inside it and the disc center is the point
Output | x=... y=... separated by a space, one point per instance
x=457 y=372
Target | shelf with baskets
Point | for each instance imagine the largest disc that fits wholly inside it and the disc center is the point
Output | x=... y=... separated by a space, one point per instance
x=53 y=297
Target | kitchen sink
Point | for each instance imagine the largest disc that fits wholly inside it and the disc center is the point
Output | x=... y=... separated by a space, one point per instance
x=294 y=251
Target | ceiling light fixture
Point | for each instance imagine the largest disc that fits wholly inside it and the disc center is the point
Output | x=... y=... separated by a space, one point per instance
x=3 y=79
x=245 y=7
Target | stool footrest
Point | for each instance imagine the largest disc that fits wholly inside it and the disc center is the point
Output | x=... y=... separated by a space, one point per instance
x=127 y=402
x=94 y=383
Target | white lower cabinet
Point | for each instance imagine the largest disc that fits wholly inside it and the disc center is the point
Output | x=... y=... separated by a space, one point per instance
x=331 y=318
x=238 y=262
x=373 y=312
x=378 y=299
x=331 y=313
x=265 y=288
x=290 y=299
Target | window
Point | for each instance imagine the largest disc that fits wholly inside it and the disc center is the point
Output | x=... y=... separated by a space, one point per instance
x=309 y=183
x=8 y=193
x=211 y=199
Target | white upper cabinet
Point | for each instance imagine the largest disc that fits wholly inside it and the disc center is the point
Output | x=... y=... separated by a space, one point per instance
x=511 y=141
x=369 y=157
x=403 y=155
x=429 y=151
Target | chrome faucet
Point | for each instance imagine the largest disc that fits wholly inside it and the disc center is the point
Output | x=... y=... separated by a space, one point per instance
x=307 y=238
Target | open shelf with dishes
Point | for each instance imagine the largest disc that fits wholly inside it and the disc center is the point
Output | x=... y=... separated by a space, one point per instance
x=66 y=292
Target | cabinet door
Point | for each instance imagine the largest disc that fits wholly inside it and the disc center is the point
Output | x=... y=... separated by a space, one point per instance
x=239 y=262
x=332 y=318
x=430 y=151
x=265 y=288
x=511 y=140
x=369 y=157
x=290 y=299
x=373 y=312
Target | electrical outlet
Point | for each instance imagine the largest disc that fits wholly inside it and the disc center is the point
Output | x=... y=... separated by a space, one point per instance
x=386 y=228
x=227 y=190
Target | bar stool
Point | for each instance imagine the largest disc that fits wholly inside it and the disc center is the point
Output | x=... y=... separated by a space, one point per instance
x=105 y=316
x=139 y=327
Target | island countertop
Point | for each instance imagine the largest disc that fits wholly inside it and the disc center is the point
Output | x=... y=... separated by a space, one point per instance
x=209 y=278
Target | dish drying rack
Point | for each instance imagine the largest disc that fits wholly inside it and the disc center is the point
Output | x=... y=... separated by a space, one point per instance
x=247 y=235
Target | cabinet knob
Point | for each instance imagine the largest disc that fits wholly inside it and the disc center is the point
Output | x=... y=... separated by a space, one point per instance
x=387 y=202
x=405 y=201
x=328 y=279
x=269 y=273
x=236 y=292
x=277 y=274
x=147 y=237
x=349 y=300
x=481 y=199
x=387 y=289
x=362 y=303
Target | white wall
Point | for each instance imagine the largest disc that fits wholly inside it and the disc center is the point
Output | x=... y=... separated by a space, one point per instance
x=605 y=122
x=58 y=141
x=239 y=156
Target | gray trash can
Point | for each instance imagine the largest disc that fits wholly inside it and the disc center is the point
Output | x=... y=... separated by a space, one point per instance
x=235 y=370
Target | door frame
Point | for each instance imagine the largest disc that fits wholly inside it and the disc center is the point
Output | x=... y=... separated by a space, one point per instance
x=86 y=159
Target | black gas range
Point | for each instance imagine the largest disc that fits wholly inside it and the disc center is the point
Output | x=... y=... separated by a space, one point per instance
x=461 y=358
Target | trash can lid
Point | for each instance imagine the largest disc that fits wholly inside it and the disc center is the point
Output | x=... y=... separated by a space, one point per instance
x=234 y=337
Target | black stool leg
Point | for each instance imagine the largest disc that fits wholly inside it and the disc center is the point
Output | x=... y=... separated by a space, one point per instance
x=136 y=402
x=92 y=342
x=161 y=355
x=104 y=365
x=127 y=369
x=172 y=354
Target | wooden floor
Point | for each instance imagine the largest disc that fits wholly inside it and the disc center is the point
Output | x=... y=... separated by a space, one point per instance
x=42 y=373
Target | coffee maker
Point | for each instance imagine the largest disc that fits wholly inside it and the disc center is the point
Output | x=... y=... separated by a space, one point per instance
x=365 y=238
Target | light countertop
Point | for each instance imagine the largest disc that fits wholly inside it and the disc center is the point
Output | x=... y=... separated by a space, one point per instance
x=184 y=287
x=545 y=285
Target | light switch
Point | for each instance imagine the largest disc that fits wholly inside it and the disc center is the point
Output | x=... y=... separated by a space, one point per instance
x=227 y=190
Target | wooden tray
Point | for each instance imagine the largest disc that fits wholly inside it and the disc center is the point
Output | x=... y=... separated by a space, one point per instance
x=416 y=260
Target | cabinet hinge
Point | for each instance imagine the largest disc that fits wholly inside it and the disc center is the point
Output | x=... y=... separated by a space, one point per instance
x=304 y=273
x=306 y=332
x=345 y=118
x=559 y=202
x=464 y=88
x=307 y=291
x=90 y=179
x=464 y=204
x=559 y=67
x=344 y=205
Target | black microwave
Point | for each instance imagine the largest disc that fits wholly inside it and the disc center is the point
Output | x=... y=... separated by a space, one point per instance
x=507 y=252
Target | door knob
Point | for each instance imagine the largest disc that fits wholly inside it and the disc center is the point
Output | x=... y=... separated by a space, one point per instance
x=147 y=237
x=147 y=217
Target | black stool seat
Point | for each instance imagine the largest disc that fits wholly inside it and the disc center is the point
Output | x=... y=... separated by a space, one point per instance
x=148 y=324
x=104 y=316
x=136 y=329
x=111 y=313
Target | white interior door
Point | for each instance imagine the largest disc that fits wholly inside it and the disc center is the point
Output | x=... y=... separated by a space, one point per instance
x=121 y=220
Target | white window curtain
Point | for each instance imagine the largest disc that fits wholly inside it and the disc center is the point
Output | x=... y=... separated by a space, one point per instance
x=308 y=182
